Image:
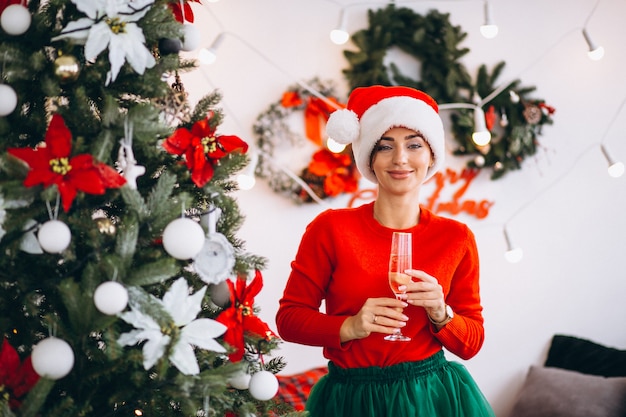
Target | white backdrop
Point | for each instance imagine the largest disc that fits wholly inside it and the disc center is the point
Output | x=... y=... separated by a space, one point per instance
x=562 y=208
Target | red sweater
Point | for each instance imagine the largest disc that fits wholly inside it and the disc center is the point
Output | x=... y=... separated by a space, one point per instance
x=343 y=259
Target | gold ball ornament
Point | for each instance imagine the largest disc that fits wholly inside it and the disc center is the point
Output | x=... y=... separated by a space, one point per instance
x=66 y=68
x=105 y=226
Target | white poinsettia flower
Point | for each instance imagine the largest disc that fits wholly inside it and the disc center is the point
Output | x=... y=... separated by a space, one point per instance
x=183 y=308
x=111 y=24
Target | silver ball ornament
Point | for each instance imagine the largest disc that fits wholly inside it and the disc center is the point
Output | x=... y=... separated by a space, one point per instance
x=52 y=358
x=183 y=238
x=191 y=37
x=110 y=298
x=54 y=236
x=15 y=19
x=8 y=100
x=263 y=385
x=240 y=380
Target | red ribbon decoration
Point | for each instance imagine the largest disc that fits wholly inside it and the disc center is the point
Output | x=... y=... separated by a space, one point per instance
x=316 y=112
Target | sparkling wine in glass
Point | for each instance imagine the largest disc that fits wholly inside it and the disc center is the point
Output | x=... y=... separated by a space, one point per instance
x=399 y=261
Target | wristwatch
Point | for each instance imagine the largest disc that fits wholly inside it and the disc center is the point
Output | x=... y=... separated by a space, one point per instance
x=449 y=316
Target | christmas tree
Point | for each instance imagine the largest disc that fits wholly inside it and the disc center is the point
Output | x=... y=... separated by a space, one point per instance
x=125 y=289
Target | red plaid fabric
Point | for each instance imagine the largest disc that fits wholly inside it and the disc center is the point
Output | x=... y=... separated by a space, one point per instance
x=294 y=389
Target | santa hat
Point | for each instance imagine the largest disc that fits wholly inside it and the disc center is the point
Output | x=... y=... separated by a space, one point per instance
x=372 y=111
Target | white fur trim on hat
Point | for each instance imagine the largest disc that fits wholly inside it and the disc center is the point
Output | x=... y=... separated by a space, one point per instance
x=398 y=111
x=343 y=126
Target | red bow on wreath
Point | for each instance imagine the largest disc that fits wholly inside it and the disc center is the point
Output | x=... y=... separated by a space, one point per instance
x=16 y=378
x=239 y=316
x=202 y=148
x=182 y=10
x=51 y=164
x=338 y=171
x=315 y=112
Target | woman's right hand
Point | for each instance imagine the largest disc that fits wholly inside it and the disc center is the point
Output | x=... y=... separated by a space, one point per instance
x=380 y=315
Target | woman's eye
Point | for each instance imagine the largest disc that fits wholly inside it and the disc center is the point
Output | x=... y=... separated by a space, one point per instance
x=414 y=145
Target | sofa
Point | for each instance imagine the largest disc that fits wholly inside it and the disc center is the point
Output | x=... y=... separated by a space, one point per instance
x=580 y=378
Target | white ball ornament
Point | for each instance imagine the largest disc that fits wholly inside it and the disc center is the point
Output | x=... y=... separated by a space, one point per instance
x=263 y=385
x=183 y=238
x=54 y=236
x=8 y=100
x=15 y=19
x=240 y=381
x=110 y=298
x=52 y=358
x=191 y=37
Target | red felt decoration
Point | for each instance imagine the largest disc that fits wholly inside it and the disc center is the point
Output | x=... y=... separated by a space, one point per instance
x=51 y=164
x=239 y=316
x=16 y=378
x=202 y=148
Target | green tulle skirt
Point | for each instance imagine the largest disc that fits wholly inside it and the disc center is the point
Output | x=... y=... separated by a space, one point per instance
x=433 y=387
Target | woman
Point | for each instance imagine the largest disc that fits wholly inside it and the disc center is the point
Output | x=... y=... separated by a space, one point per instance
x=398 y=142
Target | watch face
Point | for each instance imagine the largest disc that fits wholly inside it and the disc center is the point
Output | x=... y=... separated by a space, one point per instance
x=449 y=311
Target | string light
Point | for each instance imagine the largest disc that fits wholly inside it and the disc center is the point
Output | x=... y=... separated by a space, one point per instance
x=489 y=29
x=340 y=35
x=246 y=178
x=481 y=135
x=595 y=52
x=513 y=254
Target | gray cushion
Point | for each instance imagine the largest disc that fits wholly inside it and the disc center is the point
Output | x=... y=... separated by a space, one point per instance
x=554 y=392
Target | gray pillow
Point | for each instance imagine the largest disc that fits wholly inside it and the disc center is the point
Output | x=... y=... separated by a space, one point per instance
x=554 y=392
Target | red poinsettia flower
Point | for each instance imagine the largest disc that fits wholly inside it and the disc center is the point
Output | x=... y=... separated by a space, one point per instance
x=239 y=316
x=202 y=149
x=51 y=164
x=16 y=378
x=338 y=170
x=182 y=14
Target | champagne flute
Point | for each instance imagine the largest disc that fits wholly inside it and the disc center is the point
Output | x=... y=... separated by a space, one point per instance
x=399 y=261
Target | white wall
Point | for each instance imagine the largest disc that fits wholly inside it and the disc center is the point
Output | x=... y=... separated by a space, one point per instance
x=561 y=208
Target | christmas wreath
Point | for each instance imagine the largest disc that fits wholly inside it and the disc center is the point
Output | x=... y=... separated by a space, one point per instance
x=514 y=120
x=289 y=145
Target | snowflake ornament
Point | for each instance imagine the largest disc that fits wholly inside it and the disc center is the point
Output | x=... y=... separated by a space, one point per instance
x=183 y=308
x=112 y=24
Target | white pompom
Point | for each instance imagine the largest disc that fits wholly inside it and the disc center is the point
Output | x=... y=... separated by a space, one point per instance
x=183 y=238
x=191 y=37
x=15 y=19
x=54 y=236
x=8 y=100
x=110 y=298
x=240 y=380
x=343 y=126
x=52 y=358
x=263 y=385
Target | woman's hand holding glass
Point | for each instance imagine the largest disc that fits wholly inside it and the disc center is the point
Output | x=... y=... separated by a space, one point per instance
x=425 y=291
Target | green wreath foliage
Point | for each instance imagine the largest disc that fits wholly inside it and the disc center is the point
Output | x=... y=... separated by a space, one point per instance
x=514 y=119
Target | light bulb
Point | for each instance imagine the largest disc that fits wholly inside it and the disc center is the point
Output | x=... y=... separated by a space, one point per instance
x=334 y=146
x=616 y=170
x=596 y=54
x=246 y=181
x=339 y=36
x=489 y=30
x=206 y=56
x=481 y=135
x=514 y=255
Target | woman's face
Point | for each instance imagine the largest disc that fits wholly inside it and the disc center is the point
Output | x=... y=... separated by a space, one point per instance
x=401 y=159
